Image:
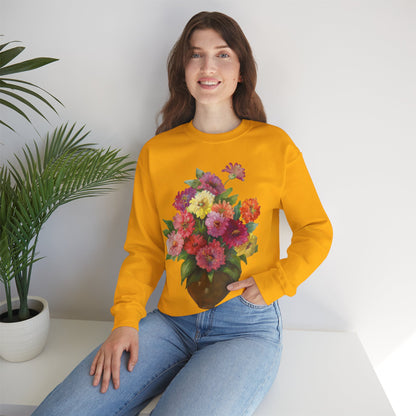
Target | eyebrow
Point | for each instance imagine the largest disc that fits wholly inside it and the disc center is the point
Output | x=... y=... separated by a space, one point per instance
x=216 y=47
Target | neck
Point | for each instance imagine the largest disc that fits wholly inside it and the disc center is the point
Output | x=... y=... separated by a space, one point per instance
x=214 y=120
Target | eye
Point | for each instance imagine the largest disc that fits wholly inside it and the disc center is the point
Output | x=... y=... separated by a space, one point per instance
x=224 y=55
x=195 y=55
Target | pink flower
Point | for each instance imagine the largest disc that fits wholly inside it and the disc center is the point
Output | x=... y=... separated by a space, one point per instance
x=211 y=257
x=235 y=170
x=224 y=208
x=182 y=199
x=236 y=234
x=174 y=243
x=194 y=243
x=184 y=223
x=211 y=183
x=216 y=224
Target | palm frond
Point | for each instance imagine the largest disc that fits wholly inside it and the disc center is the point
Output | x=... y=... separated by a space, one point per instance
x=7 y=84
x=43 y=179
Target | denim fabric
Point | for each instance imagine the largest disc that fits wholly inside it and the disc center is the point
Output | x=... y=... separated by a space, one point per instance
x=216 y=363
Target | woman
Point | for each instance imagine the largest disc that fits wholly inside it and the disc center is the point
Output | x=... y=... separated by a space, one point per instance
x=207 y=193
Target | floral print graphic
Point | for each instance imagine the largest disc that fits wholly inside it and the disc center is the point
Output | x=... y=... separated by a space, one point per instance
x=212 y=233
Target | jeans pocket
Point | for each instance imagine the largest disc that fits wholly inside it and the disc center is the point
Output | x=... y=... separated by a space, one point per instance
x=245 y=302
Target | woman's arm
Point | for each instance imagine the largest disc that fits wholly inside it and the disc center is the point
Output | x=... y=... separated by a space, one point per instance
x=143 y=267
x=311 y=228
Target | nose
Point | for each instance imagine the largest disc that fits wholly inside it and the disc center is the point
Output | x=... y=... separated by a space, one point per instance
x=208 y=65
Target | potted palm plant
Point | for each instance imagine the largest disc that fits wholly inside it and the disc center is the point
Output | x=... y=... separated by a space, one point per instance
x=61 y=169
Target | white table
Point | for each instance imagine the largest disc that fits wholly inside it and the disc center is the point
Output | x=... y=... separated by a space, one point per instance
x=321 y=373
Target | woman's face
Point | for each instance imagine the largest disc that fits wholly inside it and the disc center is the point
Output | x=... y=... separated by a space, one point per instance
x=213 y=71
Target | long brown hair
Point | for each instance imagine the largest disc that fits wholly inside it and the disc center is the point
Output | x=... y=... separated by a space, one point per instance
x=180 y=107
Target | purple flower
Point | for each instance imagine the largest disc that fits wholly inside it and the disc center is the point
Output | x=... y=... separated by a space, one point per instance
x=236 y=234
x=211 y=257
x=235 y=170
x=182 y=199
x=216 y=224
x=211 y=183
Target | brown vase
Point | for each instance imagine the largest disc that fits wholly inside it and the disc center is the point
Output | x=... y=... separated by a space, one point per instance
x=207 y=294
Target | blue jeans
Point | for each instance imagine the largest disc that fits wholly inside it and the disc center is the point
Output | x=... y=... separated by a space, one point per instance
x=218 y=362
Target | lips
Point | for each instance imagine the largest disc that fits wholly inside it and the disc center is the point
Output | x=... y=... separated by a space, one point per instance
x=208 y=83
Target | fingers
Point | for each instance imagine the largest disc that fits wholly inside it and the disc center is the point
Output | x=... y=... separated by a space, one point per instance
x=253 y=295
x=113 y=372
x=97 y=368
x=134 y=355
x=106 y=364
x=251 y=291
x=242 y=284
x=106 y=367
x=94 y=364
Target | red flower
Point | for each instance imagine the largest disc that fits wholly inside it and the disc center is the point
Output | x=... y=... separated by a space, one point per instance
x=194 y=243
x=184 y=222
x=250 y=210
x=211 y=257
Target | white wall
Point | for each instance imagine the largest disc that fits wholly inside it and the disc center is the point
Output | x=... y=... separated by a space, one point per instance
x=338 y=76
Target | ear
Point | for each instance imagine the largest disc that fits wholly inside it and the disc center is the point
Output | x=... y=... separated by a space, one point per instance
x=240 y=78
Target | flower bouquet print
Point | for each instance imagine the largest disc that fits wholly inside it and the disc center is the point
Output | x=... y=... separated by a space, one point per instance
x=212 y=233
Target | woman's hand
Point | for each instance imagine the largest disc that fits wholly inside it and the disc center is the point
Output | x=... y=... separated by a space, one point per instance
x=106 y=364
x=251 y=292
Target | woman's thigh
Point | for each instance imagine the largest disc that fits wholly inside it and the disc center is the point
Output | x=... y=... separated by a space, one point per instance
x=161 y=356
x=226 y=378
x=236 y=362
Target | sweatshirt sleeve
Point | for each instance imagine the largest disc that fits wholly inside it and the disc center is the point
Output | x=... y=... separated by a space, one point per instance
x=144 y=265
x=311 y=238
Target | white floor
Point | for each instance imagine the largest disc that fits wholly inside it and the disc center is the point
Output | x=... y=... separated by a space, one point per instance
x=321 y=373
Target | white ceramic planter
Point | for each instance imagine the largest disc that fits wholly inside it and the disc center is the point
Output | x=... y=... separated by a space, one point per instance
x=22 y=341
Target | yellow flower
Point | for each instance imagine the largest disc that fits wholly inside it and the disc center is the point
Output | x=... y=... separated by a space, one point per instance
x=201 y=204
x=249 y=248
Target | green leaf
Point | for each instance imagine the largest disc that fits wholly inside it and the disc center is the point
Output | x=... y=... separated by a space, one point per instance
x=6 y=125
x=183 y=256
x=251 y=226
x=22 y=100
x=9 y=55
x=3 y=45
x=225 y=194
x=193 y=183
x=188 y=266
x=211 y=275
x=25 y=66
x=231 y=271
x=170 y=226
x=232 y=199
x=244 y=258
x=237 y=211
x=199 y=173
x=14 y=108
x=234 y=261
x=200 y=226
x=19 y=81
x=28 y=91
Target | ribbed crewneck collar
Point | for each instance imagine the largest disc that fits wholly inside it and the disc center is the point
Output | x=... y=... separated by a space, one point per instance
x=217 y=137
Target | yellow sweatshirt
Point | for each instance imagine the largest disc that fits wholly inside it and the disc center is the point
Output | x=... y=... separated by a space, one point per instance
x=206 y=209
